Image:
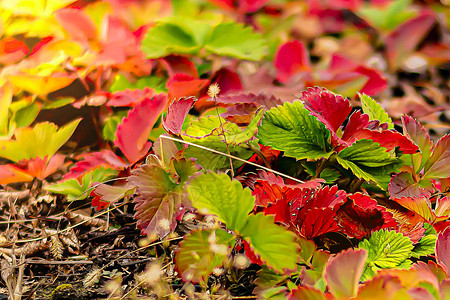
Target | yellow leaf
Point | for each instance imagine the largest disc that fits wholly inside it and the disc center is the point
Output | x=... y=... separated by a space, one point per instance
x=6 y=93
x=44 y=139
x=40 y=85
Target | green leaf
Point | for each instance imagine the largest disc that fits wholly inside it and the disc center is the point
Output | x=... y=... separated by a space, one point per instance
x=207 y=131
x=307 y=249
x=292 y=129
x=110 y=127
x=427 y=244
x=183 y=35
x=58 y=102
x=247 y=134
x=201 y=251
x=273 y=243
x=217 y=194
x=170 y=37
x=233 y=39
x=25 y=116
x=121 y=83
x=330 y=175
x=44 y=139
x=388 y=17
x=6 y=95
x=375 y=111
x=387 y=249
x=76 y=190
x=369 y=161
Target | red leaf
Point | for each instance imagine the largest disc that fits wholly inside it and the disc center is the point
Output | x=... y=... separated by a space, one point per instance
x=92 y=160
x=356 y=122
x=12 y=174
x=78 y=24
x=317 y=221
x=241 y=6
x=441 y=226
x=12 y=50
x=388 y=139
x=314 y=213
x=330 y=109
x=404 y=39
x=376 y=82
x=274 y=179
x=227 y=80
x=41 y=168
x=41 y=44
x=325 y=197
x=310 y=212
x=291 y=58
x=251 y=254
x=179 y=64
x=176 y=114
x=342 y=70
x=443 y=249
x=130 y=97
x=157 y=202
x=361 y=215
x=132 y=134
x=183 y=85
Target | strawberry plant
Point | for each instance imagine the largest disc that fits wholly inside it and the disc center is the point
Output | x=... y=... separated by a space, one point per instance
x=211 y=149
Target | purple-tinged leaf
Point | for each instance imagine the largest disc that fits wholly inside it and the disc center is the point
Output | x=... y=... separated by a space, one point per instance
x=158 y=200
x=403 y=185
x=438 y=165
x=418 y=134
x=261 y=99
x=343 y=272
x=107 y=194
x=443 y=249
x=176 y=114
